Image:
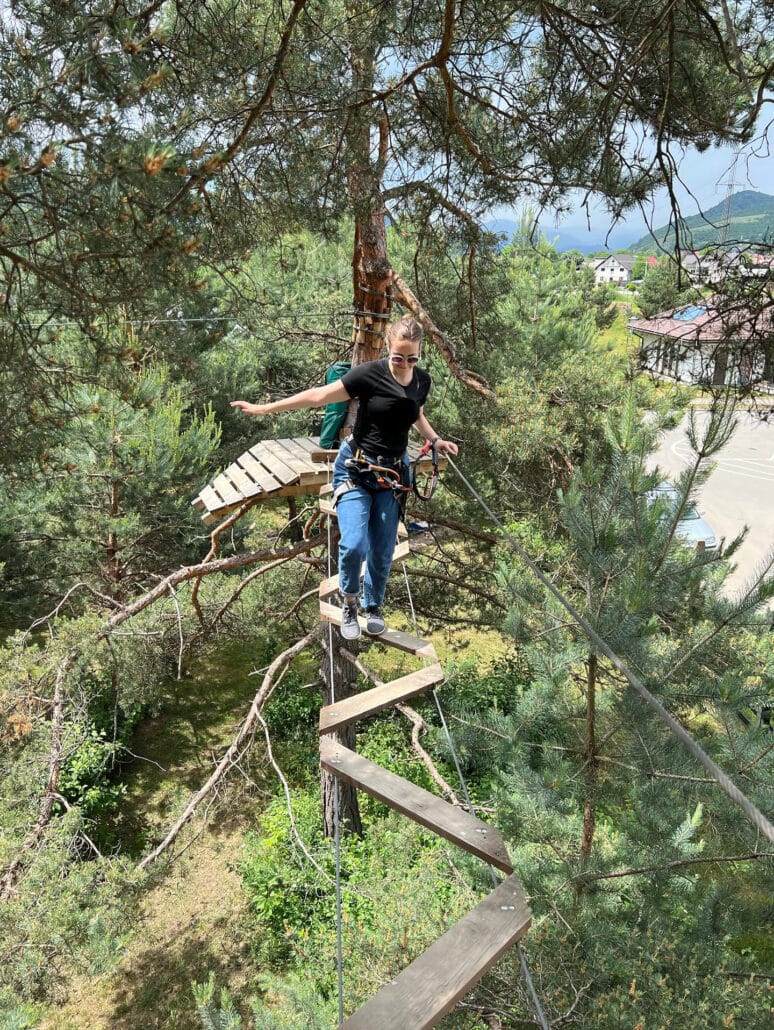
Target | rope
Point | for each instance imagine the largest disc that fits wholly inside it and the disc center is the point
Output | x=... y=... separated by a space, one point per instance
x=754 y=815
x=545 y=1025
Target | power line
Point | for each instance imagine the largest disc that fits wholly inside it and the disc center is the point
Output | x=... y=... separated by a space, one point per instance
x=150 y=321
x=754 y=815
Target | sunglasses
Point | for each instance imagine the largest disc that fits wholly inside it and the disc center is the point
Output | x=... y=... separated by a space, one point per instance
x=399 y=359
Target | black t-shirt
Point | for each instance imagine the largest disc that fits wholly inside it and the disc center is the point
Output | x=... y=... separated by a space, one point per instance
x=387 y=409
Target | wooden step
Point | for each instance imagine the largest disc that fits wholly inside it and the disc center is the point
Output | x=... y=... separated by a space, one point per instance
x=328 y=587
x=359 y=706
x=454 y=824
x=393 y=637
x=433 y=984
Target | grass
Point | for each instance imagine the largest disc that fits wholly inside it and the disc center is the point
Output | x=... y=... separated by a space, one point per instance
x=616 y=337
x=194 y=910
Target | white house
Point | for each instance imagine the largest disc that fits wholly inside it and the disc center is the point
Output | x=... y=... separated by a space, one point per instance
x=613 y=270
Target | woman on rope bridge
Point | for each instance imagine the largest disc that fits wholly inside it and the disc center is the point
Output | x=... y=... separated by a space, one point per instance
x=392 y=393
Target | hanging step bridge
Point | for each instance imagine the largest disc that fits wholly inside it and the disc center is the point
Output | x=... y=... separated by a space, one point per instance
x=432 y=984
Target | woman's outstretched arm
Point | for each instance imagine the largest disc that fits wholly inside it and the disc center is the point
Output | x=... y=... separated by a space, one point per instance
x=314 y=398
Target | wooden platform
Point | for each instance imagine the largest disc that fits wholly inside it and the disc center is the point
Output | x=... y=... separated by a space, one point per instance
x=269 y=469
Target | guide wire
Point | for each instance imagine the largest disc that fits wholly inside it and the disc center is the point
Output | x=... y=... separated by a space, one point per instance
x=754 y=815
x=545 y=1025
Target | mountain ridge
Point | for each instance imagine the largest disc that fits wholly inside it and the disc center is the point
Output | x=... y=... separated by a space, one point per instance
x=751 y=220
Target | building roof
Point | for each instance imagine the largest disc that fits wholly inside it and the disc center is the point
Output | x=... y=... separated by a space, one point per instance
x=625 y=260
x=705 y=322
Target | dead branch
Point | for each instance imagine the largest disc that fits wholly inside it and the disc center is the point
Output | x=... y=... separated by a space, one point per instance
x=54 y=768
x=117 y=619
x=463 y=528
x=245 y=730
x=286 y=790
x=214 y=542
x=207 y=568
x=245 y=582
x=680 y=863
x=420 y=726
x=418 y=723
x=409 y=300
x=181 y=649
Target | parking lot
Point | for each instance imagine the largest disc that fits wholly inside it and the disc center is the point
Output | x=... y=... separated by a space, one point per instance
x=739 y=492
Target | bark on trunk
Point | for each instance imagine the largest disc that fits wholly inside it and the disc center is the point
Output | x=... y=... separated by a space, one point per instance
x=344 y=685
x=339 y=680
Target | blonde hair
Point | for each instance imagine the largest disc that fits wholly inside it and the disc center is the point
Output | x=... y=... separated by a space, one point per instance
x=406 y=328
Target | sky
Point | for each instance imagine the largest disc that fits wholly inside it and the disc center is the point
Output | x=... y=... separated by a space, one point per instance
x=704 y=181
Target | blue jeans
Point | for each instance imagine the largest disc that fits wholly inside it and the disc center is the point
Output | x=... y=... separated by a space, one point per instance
x=368 y=524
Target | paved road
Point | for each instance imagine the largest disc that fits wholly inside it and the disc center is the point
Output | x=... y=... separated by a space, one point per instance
x=740 y=490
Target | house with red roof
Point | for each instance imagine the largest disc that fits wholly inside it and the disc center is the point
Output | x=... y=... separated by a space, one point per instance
x=711 y=342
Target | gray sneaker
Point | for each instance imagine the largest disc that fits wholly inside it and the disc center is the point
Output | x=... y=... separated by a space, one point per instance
x=374 y=622
x=350 y=627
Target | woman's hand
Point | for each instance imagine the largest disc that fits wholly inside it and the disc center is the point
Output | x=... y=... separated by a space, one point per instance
x=252 y=409
x=446 y=445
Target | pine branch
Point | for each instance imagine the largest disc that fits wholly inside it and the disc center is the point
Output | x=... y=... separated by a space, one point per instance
x=641 y=870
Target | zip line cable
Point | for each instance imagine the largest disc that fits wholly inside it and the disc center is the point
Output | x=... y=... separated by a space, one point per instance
x=545 y=1025
x=754 y=815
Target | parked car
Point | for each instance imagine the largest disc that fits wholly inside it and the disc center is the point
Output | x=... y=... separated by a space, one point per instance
x=692 y=529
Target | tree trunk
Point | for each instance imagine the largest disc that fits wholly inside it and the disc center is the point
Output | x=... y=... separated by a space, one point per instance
x=590 y=755
x=344 y=684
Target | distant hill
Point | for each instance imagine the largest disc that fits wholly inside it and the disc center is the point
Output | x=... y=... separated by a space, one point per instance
x=567 y=237
x=752 y=221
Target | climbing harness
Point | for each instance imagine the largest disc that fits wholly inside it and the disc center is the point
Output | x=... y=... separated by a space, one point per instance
x=378 y=473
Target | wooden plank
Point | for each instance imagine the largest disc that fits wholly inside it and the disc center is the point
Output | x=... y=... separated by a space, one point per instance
x=331 y=585
x=327 y=507
x=433 y=984
x=320 y=455
x=309 y=443
x=451 y=823
x=247 y=486
x=393 y=637
x=326 y=490
x=265 y=480
x=309 y=473
x=273 y=463
x=369 y=702
x=212 y=501
x=300 y=465
x=402 y=550
x=227 y=490
x=198 y=503
x=275 y=452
